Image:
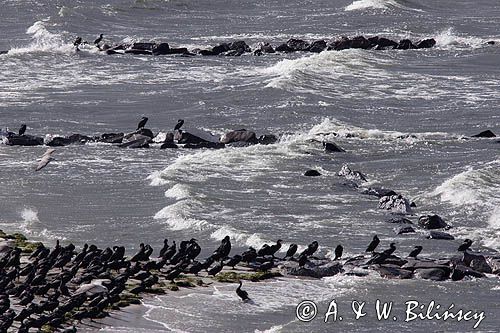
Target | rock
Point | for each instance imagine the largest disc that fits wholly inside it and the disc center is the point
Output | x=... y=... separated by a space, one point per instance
x=494 y=263
x=405 y=44
x=331 y=147
x=485 y=134
x=477 y=262
x=297 y=44
x=162 y=48
x=221 y=48
x=205 y=52
x=143 y=132
x=379 y=192
x=404 y=230
x=317 y=46
x=179 y=50
x=414 y=264
x=166 y=145
x=135 y=51
x=396 y=204
x=346 y=172
x=385 y=43
x=23 y=140
x=140 y=142
x=239 y=144
x=267 y=139
x=393 y=272
x=426 y=43
x=434 y=274
x=312 y=173
x=205 y=144
x=399 y=220
x=360 y=42
x=490 y=42
x=339 y=44
x=312 y=269
x=284 y=48
x=110 y=138
x=58 y=141
x=239 y=46
x=143 y=46
x=431 y=222
x=239 y=135
x=439 y=235
x=461 y=271
x=265 y=48
x=162 y=137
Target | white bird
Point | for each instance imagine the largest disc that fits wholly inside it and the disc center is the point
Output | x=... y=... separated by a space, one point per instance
x=46 y=158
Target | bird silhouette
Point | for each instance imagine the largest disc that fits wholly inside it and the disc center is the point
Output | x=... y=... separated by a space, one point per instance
x=46 y=158
x=415 y=252
x=373 y=245
x=465 y=246
x=22 y=129
x=242 y=293
x=98 y=40
x=338 y=251
x=142 y=123
x=179 y=124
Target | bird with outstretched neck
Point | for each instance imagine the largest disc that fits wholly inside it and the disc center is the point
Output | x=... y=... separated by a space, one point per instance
x=242 y=293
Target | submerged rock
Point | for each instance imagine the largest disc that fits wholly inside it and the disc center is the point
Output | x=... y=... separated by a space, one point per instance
x=439 y=235
x=110 y=138
x=431 y=222
x=485 y=134
x=347 y=173
x=435 y=274
x=313 y=269
x=331 y=147
x=23 y=140
x=393 y=272
x=404 y=230
x=379 y=192
x=312 y=173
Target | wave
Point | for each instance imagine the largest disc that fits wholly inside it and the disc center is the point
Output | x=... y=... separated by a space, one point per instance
x=449 y=38
x=377 y=4
x=33 y=227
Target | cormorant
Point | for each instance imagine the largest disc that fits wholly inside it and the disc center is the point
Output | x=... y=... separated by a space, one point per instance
x=142 y=123
x=465 y=246
x=179 y=124
x=98 y=40
x=242 y=293
x=390 y=250
x=373 y=245
x=338 y=252
x=22 y=129
x=415 y=252
x=311 y=248
x=291 y=251
x=302 y=260
x=275 y=248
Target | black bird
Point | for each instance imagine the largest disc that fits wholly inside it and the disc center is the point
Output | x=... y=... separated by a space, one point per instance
x=373 y=245
x=415 y=252
x=390 y=250
x=235 y=260
x=264 y=251
x=77 y=42
x=266 y=266
x=291 y=251
x=216 y=269
x=142 y=123
x=275 y=248
x=465 y=246
x=139 y=256
x=98 y=40
x=164 y=248
x=242 y=293
x=249 y=255
x=179 y=124
x=22 y=129
x=338 y=252
x=311 y=248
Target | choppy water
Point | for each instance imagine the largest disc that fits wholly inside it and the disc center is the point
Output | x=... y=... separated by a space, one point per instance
x=372 y=99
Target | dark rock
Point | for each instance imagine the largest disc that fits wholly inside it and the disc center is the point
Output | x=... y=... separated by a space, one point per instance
x=426 y=43
x=339 y=44
x=317 y=46
x=206 y=53
x=240 y=46
x=297 y=44
x=332 y=147
x=347 y=173
x=142 y=142
x=64 y=141
x=221 y=48
x=166 y=145
x=267 y=139
x=162 y=137
x=312 y=269
x=4 y=52
x=360 y=42
x=461 y=271
x=143 y=46
x=24 y=140
x=162 y=48
x=396 y=204
x=439 y=235
x=385 y=43
x=485 y=134
x=490 y=42
x=284 y=48
x=111 y=138
x=405 y=44
x=399 y=220
x=178 y=50
x=194 y=136
x=431 y=222
x=312 y=173
x=239 y=135
x=143 y=131
x=393 y=272
x=373 y=41
x=477 y=262
x=404 y=230
x=434 y=274
x=239 y=144
x=265 y=48
x=134 y=51
x=205 y=144
x=413 y=265
x=379 y=192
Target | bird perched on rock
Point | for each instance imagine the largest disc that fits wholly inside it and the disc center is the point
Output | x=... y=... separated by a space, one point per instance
x=415 y=252
x=465 y=246
x=291 y=251
x=390 y=250
x=179 y=124
x=338 y=252
x=373 y=245
x=142 y=123
x=98 y=40
x=242 y=293
x=22 y=129
x=311 y=248
x=46 y=158
x=275 y=247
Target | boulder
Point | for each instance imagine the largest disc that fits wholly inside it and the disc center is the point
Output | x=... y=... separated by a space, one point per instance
x=205 y=144
x=142 y=131
x=426 y=43
x=461 y=271
x=205 y=52
x=485 y=134
x=399 y=220
x=58 y=141
x=317 y=46
x=414 y=264
x=477 y=262
x=347 y=173
x=396 y=204
x=360 y=42
x=135 y=51
x=393 y=272
x=404 y=230
x=110 y=138
x=298 y=44
x=140 y=142
x=166 y=145
x=162 y=48
x=265 y=48
x=239 y=135
x=143 y=46
x=434 y=274
x=179 y=50
x=284 y=48
x=23 y=140
x=331 y=147
x=312 y=173
x=339 y=44
x=405 y=44
x=267 y=139
x=385 y=43
x=431 y=222
x=162 y=137
x=195 y=136
x=221 y=48
x=240 y=46
x=439 y=235
x=313 y=269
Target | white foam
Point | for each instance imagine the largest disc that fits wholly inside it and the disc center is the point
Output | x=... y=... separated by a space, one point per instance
x=178 y=191
x=29 y=215
x=449 y=38
x=179 y=216
x=377 y=4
